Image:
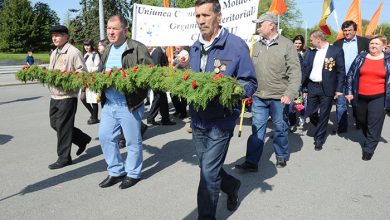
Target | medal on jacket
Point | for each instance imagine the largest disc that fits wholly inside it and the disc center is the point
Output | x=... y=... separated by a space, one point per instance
x=329 y=63
x=219 y=66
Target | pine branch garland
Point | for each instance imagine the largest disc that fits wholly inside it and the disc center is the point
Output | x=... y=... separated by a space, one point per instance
x=198 y=88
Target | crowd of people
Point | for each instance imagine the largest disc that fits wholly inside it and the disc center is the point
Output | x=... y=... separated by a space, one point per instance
x=280 y=71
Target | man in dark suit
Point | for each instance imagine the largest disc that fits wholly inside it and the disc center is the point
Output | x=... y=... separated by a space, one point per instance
x=352 y=46
x=324 y=74
x=160 y=100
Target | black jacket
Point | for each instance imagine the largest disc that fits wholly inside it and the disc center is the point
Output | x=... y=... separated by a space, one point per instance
x=332 y=78
x=135 y=53
x=362 y=43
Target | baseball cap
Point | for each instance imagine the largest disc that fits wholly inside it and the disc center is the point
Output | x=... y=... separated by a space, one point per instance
x=58 y=29
x=268 y=16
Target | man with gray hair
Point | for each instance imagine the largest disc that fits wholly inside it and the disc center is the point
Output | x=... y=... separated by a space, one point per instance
x=278 y=72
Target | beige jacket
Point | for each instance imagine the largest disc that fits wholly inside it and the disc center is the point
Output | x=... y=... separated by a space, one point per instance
x=68 y=59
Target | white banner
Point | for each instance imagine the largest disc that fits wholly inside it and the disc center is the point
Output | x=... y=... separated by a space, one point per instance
x=158 y=26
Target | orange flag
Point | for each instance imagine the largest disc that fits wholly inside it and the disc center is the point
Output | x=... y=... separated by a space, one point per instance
x=355 y=14
x=278 y=7
x=168 y=50
x=166 y=3
x=371 y=27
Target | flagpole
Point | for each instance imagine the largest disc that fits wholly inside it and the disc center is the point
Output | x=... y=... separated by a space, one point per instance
x=336 y=19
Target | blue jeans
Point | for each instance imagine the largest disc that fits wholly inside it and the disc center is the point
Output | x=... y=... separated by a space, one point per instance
x=342 y=113
x=114 y=116
x=211 y=148
x=261 y=109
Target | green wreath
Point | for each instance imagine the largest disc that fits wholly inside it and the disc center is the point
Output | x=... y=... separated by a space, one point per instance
x=197 y=88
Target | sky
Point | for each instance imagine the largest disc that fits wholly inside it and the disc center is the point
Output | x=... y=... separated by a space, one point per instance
x=311 y=10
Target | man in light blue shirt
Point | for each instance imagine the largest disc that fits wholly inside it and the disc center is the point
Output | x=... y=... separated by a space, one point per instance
x=352 y=46
x=122 y=110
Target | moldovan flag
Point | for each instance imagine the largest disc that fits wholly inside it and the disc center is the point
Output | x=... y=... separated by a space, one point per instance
x=278 y=7
x=327 y=9
x=371 y=27
x=355 y=14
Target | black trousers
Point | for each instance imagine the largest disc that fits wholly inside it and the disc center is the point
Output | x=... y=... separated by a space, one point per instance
x=180 y=104
x=371 y=115
x=62 y=115
x=317 y=99
x=160 y=103
x=93 y=108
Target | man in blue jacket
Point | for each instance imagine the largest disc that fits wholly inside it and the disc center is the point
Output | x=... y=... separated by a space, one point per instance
x=212 y=128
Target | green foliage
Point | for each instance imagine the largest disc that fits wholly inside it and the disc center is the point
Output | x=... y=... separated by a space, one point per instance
x=86 y=23
x=16 y=27
x=288 y=20
x=25 y=28
x=38 y=57
x=209 y=86
x=40 y=39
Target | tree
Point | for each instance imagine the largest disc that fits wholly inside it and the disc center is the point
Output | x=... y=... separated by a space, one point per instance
x=289 y=21
x=16 y=27
x=44 y=18
x=86 y=23
x=1 y=4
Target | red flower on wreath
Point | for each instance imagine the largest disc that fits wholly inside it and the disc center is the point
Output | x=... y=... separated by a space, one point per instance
x=69 y=73
x=91 y=80
x=150 y=65
x=85 y=85
x=194 y=84
x=123 y=75
x=186 y=76
x=135 y=69
x=109 y=72
x=216 y=76
x=25 y=67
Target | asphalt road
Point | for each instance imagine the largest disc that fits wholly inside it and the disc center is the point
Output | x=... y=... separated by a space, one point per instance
x=331 y=184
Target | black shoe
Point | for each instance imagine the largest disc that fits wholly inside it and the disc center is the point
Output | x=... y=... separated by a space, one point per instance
x=232 y=201
x=248 y=167
x=92 y=121
x=152 y=122
x=111 y=180
x=280 y=162
x=183 y=115
x=128 y=182
x=317 y=146
x=59 y=164
x=358 y=127
x=122 y=143
x=176 y=113
x=168 y=122
x=366 y=156
x=83 y=146
x=144 y=127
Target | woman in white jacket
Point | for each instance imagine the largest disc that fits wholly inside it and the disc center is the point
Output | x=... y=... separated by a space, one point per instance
x=89 y=98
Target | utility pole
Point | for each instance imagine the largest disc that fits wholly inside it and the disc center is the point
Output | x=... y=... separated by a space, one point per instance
x=101 y=20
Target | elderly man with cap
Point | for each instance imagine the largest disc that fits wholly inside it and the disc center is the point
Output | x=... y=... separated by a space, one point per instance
x=63 y=104
x=278 y=73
